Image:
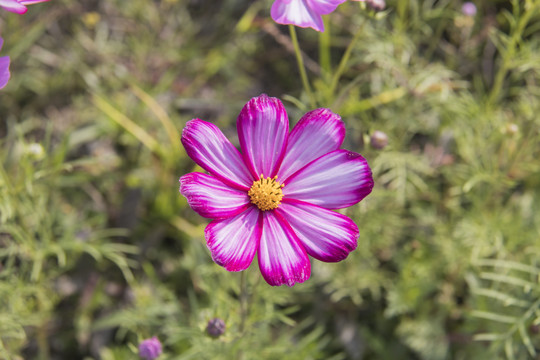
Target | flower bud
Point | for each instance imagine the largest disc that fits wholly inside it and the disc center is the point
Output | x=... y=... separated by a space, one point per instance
x=150 y=349
x=215 y=327
x=511 y=128
x=378 y=140
x=468 y=9
x=35 y=151
x=377 y=5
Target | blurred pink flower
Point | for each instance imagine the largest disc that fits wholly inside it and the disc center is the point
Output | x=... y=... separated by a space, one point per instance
x=4 y=67
x=468 y=9
x=150 y=349
x=377 y=5
x=303 y=13
x=275 y=198
x=18 y=6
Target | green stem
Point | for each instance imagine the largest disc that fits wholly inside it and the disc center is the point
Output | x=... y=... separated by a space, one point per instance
x=43 y=345
x=324 y=49
x=301 y=67
x=344 y=60
x=509 y=54
x=243 y=300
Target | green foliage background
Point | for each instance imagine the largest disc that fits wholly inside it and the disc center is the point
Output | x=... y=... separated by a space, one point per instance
x=98 y=250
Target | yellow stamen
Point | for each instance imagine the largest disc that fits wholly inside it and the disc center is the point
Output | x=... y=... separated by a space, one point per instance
x=266 y=193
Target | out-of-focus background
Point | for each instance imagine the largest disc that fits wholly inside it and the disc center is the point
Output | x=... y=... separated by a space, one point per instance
x=98 y=250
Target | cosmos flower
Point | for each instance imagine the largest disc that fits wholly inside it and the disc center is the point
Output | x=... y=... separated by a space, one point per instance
x=150 y=349
x=18 y=6
x=303 y=13
x=275 y=197
x=4 y=68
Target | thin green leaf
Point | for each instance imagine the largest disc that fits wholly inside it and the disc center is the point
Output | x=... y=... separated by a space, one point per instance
x=495 y=317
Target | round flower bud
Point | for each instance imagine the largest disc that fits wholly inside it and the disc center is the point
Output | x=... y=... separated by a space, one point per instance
x=36 y=151
x=511 y=128
x=377 y=5
x=215 y=327
x=150 y=349
x=378 y=140
x=468 y=9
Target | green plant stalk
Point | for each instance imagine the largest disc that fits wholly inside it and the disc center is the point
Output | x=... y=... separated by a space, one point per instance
x=301 y=67
x=324 y=49
x=243 y=301
x=520 y=321
x=344 y=60
x=509 y=53
x=385 y=97
x=43 y=345
x=161 y=114
x=128 y=124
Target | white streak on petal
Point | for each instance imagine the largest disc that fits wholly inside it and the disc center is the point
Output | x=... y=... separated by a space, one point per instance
x=209 y=148
x=336 y=180
x=263 y=128
x=296 y=12
x=325 y=234
x=318 y=132
x=210 y=197
x=282 y=259
x=233 y=241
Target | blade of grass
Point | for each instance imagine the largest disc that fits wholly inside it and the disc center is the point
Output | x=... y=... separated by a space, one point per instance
x=161 y=115
x=128 y=124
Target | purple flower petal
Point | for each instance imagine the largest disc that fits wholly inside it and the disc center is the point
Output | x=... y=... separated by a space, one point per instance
x=468 y=8
x=263 y=128
x=296 y=12
x=31 y=2
x=282 y=259
x=233 y=241
x=325 y=234
x=336 y=180
x=150 y=349
x=4 y=67
x=303 y=13
x=13 y=6
x=211 y=198
x=317 y=133
x=324 y=7
x=209 y=148
x=4 y=71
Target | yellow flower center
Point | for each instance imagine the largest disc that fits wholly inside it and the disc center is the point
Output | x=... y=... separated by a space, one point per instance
x=266 y=193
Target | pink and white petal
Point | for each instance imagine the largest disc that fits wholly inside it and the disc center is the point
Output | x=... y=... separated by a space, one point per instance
x=1 y=42
x=324 y=7
x=282 y=259
x=263 y=127
x=31 y=2
x=13 y=6
x=233 y=241
x=325 y=234
x=4 y=71
x=296 y=12
x=318 y=132
x=211 y=198
x=336 y=180
x=212 y=151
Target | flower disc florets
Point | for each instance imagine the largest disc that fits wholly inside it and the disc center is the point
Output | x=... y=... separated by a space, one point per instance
x=266 y=193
